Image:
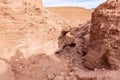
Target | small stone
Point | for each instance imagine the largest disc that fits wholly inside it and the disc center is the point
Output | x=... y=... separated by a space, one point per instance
x=59 y=77
x=95 y=69
x=62 y=73
x=68 y=78
x=17 y=60
x=71 y=73
x=75 y=78
x=51 y=76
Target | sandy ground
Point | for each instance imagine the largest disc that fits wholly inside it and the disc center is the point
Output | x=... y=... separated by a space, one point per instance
x=76 y=15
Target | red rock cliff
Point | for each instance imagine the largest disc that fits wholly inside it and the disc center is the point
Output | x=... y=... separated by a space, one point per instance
x=104 y=47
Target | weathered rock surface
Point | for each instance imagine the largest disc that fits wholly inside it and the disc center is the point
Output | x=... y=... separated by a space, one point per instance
x=97 y=75
x=5 y=71
x=39 y=67
x=26 y=27
x=104 y=47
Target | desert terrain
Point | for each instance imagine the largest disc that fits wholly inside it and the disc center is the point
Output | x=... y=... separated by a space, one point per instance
x=76 y=15
x=40 y=44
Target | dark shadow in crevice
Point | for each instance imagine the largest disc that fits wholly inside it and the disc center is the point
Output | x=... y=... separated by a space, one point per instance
x=73 y=44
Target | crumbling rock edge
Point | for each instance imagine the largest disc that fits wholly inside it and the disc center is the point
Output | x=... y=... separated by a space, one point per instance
x=104 y=47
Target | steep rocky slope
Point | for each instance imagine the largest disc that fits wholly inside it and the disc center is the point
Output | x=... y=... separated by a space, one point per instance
x=104 y=47
x=26 y=27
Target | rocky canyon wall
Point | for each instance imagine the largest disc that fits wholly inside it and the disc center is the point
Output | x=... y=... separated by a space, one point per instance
x=28 y=28
x=104 y=47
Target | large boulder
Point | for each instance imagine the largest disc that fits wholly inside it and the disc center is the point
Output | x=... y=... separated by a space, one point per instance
x=104 y=47
x=27 y=27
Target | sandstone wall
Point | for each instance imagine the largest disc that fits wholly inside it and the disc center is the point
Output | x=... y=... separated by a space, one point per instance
x=28 y=28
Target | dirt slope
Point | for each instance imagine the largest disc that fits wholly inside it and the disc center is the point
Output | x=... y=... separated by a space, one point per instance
x=76 y=15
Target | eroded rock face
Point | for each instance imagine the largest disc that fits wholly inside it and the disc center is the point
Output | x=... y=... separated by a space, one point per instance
x=5 y=71
x=26 y=27
x=104 y=47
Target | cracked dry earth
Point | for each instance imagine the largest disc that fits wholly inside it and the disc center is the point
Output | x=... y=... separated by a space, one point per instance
x=38 y=45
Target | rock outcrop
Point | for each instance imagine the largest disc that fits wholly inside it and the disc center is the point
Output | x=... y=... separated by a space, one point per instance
x=25 y=26
x=104 y=47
